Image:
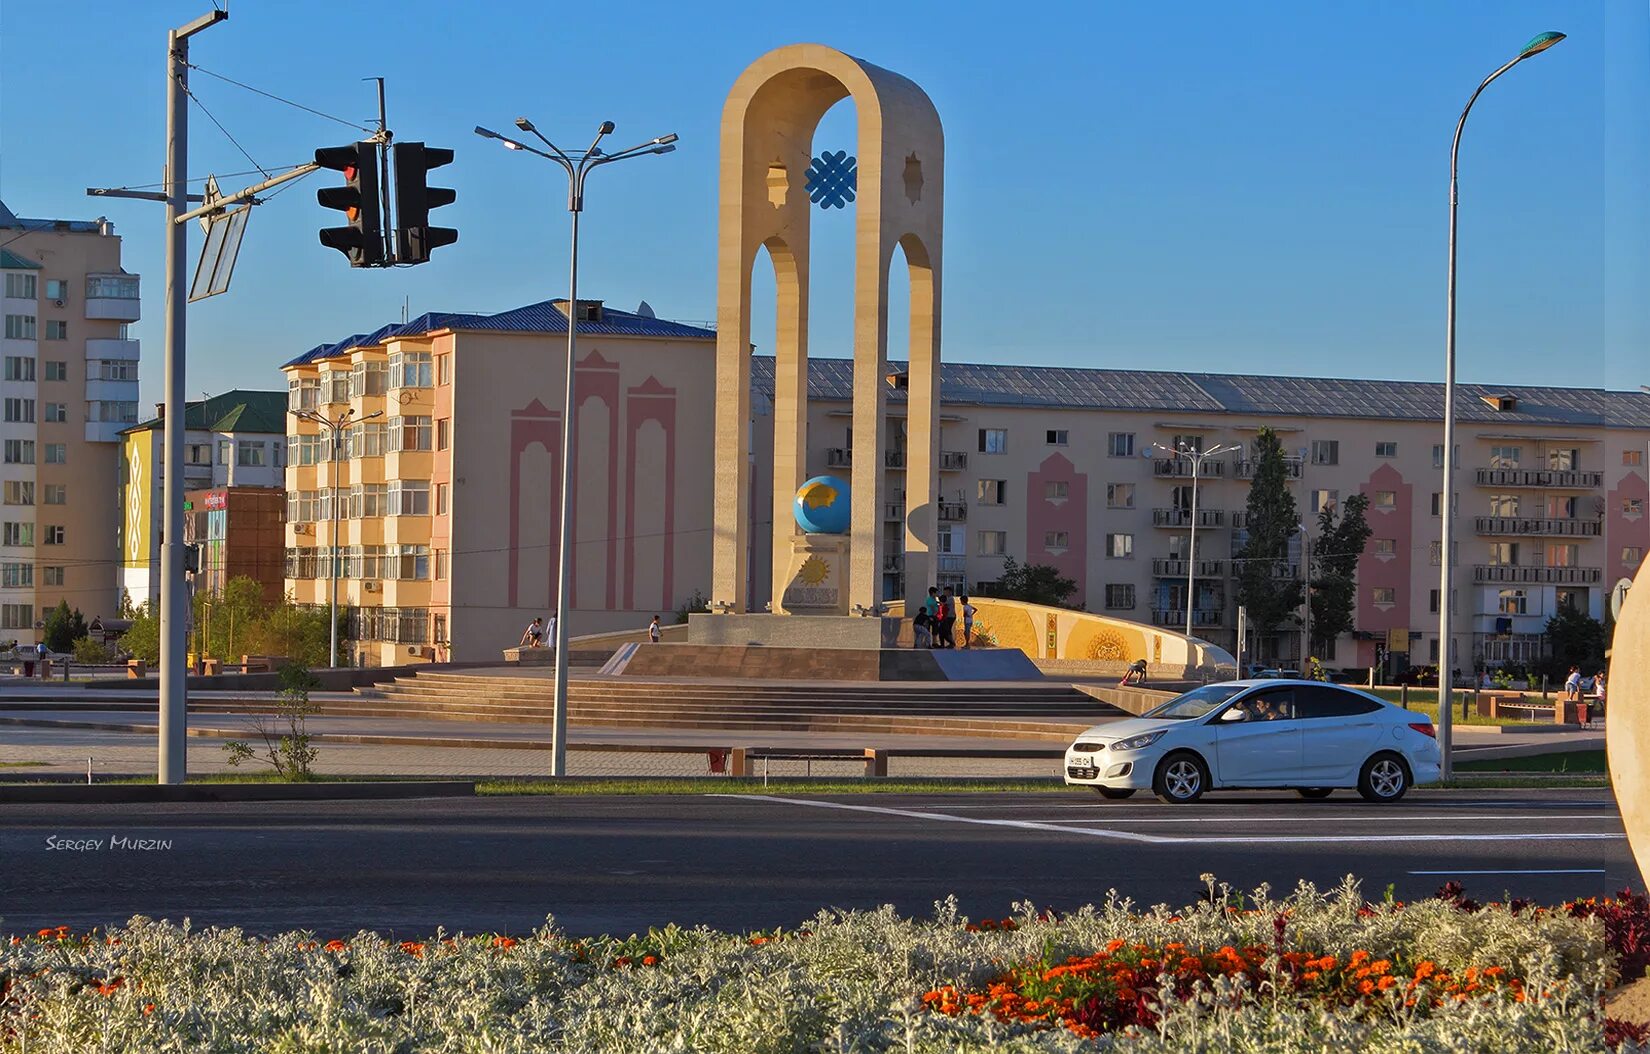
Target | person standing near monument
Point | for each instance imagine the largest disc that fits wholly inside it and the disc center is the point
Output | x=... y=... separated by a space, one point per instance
x=948 y=620
x=968 y=611
x=654 y=630
x=1572 y=685
x=550 y=630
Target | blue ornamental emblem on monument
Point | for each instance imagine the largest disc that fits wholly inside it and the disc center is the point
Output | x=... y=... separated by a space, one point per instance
x=832 y=179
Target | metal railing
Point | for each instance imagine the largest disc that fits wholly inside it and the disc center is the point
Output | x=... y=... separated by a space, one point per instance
x=1177 y=618
x=952 y=563
x=838 y=457
x=893 y=459
x=953 y=511
x=1537 y=575
x=953 y=461
x=1183 y=517
x=1569 y=479
x=1291 y=468
x=1175 y=567
x=1181 y=468
x=1539 y=525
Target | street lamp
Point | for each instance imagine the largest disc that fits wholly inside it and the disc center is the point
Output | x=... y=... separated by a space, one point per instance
x=578 y=167
x=333 y=429
x=1196 y=456
x=1306 y=577
x=1535 y=47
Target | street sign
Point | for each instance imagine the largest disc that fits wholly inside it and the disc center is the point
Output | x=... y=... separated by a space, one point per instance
x=1397 y=640
x=1618 y=597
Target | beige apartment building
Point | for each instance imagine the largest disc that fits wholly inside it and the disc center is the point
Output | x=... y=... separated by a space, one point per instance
x=70 y=384
x=448 y=475
x=1074 y=468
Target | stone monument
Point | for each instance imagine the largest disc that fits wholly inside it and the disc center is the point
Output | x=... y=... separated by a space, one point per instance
x=1627 y=725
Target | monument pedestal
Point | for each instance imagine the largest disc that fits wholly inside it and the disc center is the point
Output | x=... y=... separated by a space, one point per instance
x=816 y=576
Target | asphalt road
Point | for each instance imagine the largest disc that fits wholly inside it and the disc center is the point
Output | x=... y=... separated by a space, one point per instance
x=619 y=864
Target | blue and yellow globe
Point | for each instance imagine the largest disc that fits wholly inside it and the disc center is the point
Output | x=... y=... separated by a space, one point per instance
x=822 y=505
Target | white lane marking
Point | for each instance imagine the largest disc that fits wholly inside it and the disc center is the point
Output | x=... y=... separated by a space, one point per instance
x=1532 y=871
x=1467 y=807
x=1155 y=839
x=1387 y=818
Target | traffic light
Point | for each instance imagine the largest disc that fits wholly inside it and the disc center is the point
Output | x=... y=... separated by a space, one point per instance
x=415 y=239
x=363 y=240
x=192 y=558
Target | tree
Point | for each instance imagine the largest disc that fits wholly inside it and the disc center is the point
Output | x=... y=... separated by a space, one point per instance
x=226 y=623
x=1033 y=583
x=63 y=628
x=142 y=639
x=1272 y=519
x=298 y=633
x=1334 y=573
x=289 y=753
x=1574 y=638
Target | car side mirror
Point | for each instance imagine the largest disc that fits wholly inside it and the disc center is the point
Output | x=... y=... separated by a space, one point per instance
x=1234 y=715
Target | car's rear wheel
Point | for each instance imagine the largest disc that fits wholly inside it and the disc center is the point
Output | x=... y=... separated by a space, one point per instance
x=1180 y=778
x=1314 y=793
x=1115 y=792
x=1384 y=778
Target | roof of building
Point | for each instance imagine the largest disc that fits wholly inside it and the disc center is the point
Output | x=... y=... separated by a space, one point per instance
x=10 y=219
x=546 y=317
x=233 y=411
x=10 y=261
x=1249 y=395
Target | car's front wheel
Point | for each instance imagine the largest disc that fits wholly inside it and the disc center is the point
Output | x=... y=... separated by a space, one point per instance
x=1314 y=793
x=1180 y=778
x=1384 y=778
x=1115 y=792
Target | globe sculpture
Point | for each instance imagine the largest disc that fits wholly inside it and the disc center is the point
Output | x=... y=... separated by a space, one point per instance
x=822 y=506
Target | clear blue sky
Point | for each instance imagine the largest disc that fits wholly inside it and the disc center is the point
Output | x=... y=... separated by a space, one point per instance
x=1202 y=185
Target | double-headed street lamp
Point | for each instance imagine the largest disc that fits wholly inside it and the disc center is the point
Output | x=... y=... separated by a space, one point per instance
x=1447 y=501
x=578 y=168
x=1196 y=456
x=334 y=429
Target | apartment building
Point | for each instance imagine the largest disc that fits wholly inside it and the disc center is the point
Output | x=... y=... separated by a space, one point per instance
x=234 y=440
x=447 y=479
x=1075 y=468
x=239 y=531
x=68 y=387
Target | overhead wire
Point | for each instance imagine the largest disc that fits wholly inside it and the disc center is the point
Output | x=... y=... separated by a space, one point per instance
x=209 y=116
x=281 y=99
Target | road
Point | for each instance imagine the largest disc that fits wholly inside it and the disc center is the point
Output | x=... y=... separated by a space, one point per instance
x=619 y=864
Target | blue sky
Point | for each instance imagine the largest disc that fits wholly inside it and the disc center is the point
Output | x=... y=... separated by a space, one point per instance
x=1211 y=186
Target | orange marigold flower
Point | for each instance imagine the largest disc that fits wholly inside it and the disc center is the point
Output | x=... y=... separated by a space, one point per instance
x=1311 y=975
x=1366 y=987
x=148 y=1008
x=1113 y=946
x=336 y=945
x=650 y=960
x=1425 y=969
x=504 y=942
x=1380 y=966
x=1386 y=982
x=759 y=940
x=413 y=948
x=1359 y=957
x=110 y=987
x=44 y=933
x=1494 y=971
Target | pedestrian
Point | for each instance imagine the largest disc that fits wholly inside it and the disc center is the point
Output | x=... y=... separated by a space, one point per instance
x=550 y=630
x=1598 y=690
x=948 y=620
x=968 y=611
x=922 y=635
x=1572 y=685
x=533 y=635
x=931 y=604
x=40 y=654
x=654 y=630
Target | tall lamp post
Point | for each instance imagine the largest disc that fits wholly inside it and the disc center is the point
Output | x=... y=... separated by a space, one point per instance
x=1446 y=502
x=578 y=167
x=1306 y=578
x=334 y=430
x=1196 y=456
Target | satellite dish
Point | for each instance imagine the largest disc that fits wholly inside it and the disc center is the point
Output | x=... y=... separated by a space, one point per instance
x=1618 y=597
x=645 y=310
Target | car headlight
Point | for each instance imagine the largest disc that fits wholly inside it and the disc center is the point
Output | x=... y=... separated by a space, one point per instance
x=1140 y=742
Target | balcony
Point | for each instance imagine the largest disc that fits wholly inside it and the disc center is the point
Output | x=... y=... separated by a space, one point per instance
x=952 y=563
x=1525 y=574
x=114 y=297
x=1561 y=478
x=98 y=348
x=1545 y=526
x=1176 y=567
x=893 y=511
x=1201 y=618
x=839 y=457
x=893 y=563
x=893 y=459
x=1181 y=468
x=953 y=511
x=1291 y=468
x=1183 y=517
x=953 y=461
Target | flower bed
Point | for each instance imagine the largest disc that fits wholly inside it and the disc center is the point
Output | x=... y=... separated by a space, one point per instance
x=1312 y=971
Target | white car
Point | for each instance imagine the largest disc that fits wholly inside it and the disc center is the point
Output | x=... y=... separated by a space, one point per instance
x=1308 y=736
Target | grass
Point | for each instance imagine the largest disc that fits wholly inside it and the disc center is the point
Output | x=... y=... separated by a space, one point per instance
x=1425 y=701
x=19 y=764
x=1575 y=761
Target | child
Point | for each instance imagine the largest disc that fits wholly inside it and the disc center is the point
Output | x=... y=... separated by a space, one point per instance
x=921 y=635
x=654 y=630
x=968 y=619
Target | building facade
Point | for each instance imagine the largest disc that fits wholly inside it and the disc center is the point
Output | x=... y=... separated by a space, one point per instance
x=447 y=478
x=70 y=384
x=240 y=534
x=234 y=440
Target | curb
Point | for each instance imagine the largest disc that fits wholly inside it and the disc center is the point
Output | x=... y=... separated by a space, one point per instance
x=225 y=792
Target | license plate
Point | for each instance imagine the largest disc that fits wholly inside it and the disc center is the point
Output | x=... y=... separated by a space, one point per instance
x=1080 y=761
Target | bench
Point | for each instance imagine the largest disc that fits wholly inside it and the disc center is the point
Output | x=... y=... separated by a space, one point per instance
x=1508 y=704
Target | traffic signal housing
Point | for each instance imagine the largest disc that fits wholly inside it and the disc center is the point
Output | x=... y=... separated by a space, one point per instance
x=415 y=239
x=362 y=241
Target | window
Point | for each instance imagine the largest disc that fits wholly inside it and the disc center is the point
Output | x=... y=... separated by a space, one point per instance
x=1326 y=452
x=116 y=370
x=1056 y=490
x=992 y=491
x=1632 y=457
x=113 y=410
x=20 y=327
x=55 y=493
x=1314 y=702
x=1119 y=597
x=1505 y=456
x=1120 y=495
x=993 y=440
x=57 y=413
x=1502 y=505
x=1386 y=499
x=17 y=576
x=1512 y=602
x=112 y=287
x=57 y=370
x=19 y=411
x=1057 y=437
x=1560 y=507
x=1383 y=595
x=1563 y=554
x=993 y=543
x=1502 y=554
x=57 y=453
x=441 y=567
x=1180 y=497
x=441 y=490
x=16 y=616
x=410 y=433
x=225 y=448
x=1632 y=555
x=1437 y=503
x=303 y=393
x=336 y=384
x=1563 y=460
x=19 y=451
x=444 y=369
x=1632 y=507
x=410 y=369
x=1432 y=601
x=1384 y=547
x=53 y=535
x=1386 y=449
x=368 y=378
x=19 y=492
x=368 y=501
x=1120 y=546
x=53 y=576
x=443 y=433
x=368 y=440
x=409 y=497
x=1322 y=499
x=200 y=454
x=249 y=453
x=1438 y=455
x=1436 y=549
x=20 y=286
x=1120 y=444
x=16 y=533
x=57 y=329
x=408 y=563
x=57 y=289
x=1056 y=539
x=1571 y=600
x=19 y=367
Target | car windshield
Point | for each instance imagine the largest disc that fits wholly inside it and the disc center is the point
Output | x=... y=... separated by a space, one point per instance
x=1195 y=703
